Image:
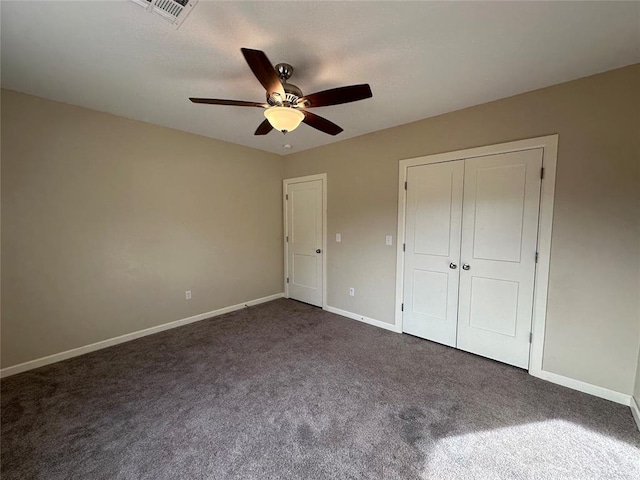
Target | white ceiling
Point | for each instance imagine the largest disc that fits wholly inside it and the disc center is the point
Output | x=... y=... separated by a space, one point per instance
x=420 y=58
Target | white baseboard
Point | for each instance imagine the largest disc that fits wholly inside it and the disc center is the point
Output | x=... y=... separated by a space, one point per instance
x=584 y=387
x=635 y=411
x=57 y=357
x=362 y=318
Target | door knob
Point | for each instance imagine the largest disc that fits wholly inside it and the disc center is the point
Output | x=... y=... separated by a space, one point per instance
x=318 y=251
x=466 y=266
x=453 y=266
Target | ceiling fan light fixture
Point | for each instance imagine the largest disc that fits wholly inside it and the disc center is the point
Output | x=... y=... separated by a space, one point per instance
x=285 y=119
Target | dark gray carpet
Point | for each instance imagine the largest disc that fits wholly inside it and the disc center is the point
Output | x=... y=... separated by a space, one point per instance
x=286 y=391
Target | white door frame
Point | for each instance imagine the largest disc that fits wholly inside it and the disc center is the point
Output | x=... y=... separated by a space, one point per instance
x=285 y=183
x=549 y=144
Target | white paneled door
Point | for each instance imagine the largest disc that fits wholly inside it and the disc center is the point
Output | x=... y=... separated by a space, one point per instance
x=304 y=211
x=432 y=251
x=498 y=254
x=471 y=233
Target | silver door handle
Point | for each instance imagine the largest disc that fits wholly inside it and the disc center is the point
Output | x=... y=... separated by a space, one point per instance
x=466 y=266
x=453 y=266
x=318 y=251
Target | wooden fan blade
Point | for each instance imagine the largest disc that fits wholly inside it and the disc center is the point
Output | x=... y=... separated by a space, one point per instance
x=264 y=128
x=263 y=70
x=319 y=123
x=336 y=96
x=234 y=103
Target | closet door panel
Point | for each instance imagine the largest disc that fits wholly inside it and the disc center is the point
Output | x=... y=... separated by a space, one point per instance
x=432 y=249
x=499 y=237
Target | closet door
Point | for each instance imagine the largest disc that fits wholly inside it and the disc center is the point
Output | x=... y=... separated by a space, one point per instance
x=432 y=250
x=499 y=237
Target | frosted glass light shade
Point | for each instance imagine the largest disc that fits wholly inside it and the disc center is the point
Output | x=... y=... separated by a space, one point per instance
x=285 y=119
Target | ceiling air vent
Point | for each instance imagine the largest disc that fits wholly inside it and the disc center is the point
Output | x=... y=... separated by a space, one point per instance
x=174 y=11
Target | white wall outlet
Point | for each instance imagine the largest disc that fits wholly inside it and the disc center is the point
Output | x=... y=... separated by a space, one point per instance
x=352 y=292
x=388 y=240
x=187 y=295
x=338 y=237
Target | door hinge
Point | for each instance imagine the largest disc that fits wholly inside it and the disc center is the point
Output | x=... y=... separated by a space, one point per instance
x=537 y=255
x=286 y=196
x=542 y=172
x=530 y=337
x=287 y=238
x=402 y=307
x=404 y=246
x=287 y=279
x=405 y=185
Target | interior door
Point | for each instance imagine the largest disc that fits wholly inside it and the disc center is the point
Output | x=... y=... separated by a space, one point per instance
x=304 y=201
x=432 y=250
x=499 y=238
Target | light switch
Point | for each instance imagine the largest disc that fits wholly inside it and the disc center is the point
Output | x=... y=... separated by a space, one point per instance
x=338 y=237
x=389 y=240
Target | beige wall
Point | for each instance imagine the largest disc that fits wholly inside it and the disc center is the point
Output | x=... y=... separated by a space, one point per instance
x=107 y=221
x=593 y=310
x=636 y=391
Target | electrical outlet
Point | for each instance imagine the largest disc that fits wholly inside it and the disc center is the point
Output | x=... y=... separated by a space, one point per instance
x=388 y=240
x=338 y=237
x=187 y=295
x=352 y=292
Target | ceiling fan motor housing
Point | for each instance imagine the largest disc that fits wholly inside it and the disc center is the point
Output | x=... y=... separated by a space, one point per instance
x=292 y=94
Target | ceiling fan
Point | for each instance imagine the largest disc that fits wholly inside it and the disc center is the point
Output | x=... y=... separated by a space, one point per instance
x=286 y=106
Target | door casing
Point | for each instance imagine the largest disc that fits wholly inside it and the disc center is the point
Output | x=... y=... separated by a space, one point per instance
x=285 y=183
x=549 y=144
